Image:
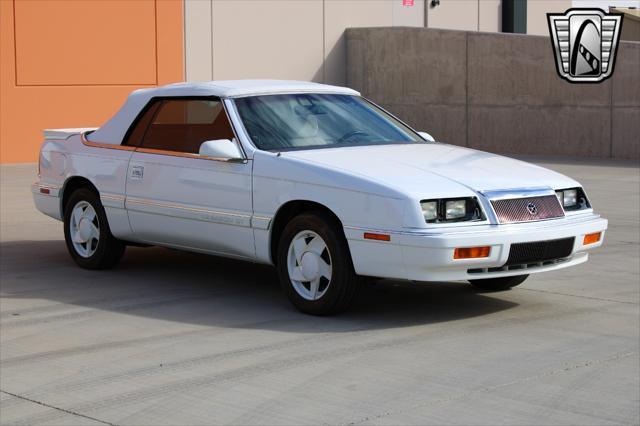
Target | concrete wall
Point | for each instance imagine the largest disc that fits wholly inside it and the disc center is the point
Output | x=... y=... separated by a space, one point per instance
x=454 y=15
x=537 y=14
x=303 y=40
x=630 y=28
x=497 y=92
x=486 y=15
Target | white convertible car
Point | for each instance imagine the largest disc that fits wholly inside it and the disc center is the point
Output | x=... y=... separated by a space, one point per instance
x=314 y=179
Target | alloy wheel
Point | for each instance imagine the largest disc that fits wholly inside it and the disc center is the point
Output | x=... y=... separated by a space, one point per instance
x=309 y=265
x=84 y=229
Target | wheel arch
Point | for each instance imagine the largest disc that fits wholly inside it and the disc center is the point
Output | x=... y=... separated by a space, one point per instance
x=288 y=211
x=72 y=184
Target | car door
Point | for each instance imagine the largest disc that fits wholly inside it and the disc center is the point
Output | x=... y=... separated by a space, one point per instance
x=180 y=199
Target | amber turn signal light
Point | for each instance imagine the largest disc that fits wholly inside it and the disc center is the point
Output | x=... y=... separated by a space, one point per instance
x=591 y=238
x=378 y=237
x=471 y=252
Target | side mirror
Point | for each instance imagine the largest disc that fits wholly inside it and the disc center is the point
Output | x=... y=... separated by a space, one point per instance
x=426 y=136
x=223 y=149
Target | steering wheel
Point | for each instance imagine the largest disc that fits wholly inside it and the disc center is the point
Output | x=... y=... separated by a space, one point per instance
x=351 y=134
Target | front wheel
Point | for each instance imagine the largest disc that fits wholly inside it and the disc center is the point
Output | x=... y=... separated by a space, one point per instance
x=87 y=234
x=314 y=265
x=499 y=284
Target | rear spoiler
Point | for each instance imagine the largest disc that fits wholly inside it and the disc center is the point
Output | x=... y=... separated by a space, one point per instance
x=62 y=134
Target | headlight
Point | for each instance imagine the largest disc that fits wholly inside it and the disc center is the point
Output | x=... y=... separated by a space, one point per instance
x=573 y=199
x=569 y=198
x=451 y=210
x=455 y=209
x=429 y=210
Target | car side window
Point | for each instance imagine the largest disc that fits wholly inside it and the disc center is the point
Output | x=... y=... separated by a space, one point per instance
x=136 y=133
x=182 y=125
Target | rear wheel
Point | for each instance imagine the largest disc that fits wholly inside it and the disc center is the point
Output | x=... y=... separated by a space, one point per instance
x=314 y=265
x=87 y=234
x=499 y=284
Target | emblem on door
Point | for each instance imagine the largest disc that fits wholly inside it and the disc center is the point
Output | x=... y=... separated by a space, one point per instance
x=137 y=172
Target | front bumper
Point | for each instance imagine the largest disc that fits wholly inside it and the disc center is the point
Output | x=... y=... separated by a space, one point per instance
x=427 y=255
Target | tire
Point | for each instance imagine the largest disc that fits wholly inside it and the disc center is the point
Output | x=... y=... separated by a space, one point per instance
x=312 y=246
x=87 y=234
x=499 y=284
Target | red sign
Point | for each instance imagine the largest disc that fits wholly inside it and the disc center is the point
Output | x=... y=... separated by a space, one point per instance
x=407 y=2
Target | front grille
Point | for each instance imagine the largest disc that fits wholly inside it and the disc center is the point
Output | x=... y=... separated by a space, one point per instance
x=527 y=209
x=539 y=251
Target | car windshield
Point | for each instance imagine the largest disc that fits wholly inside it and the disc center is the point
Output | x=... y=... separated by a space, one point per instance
x=309 y=121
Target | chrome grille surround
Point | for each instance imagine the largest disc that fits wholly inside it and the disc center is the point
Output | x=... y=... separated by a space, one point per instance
x=528 y=209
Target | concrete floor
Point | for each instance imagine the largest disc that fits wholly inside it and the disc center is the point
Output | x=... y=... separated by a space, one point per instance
x=179 y=338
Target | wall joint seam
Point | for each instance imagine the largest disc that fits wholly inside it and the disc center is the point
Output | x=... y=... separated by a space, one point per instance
x=466 y=89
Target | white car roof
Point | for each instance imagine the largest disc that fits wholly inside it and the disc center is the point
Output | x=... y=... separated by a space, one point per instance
x=113 y=131
x=239 y=88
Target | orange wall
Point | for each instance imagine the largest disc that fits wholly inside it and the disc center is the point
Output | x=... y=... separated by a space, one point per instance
x=66 y=63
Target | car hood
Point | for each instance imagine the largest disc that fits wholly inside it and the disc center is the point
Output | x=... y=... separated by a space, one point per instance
x=434 y=169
